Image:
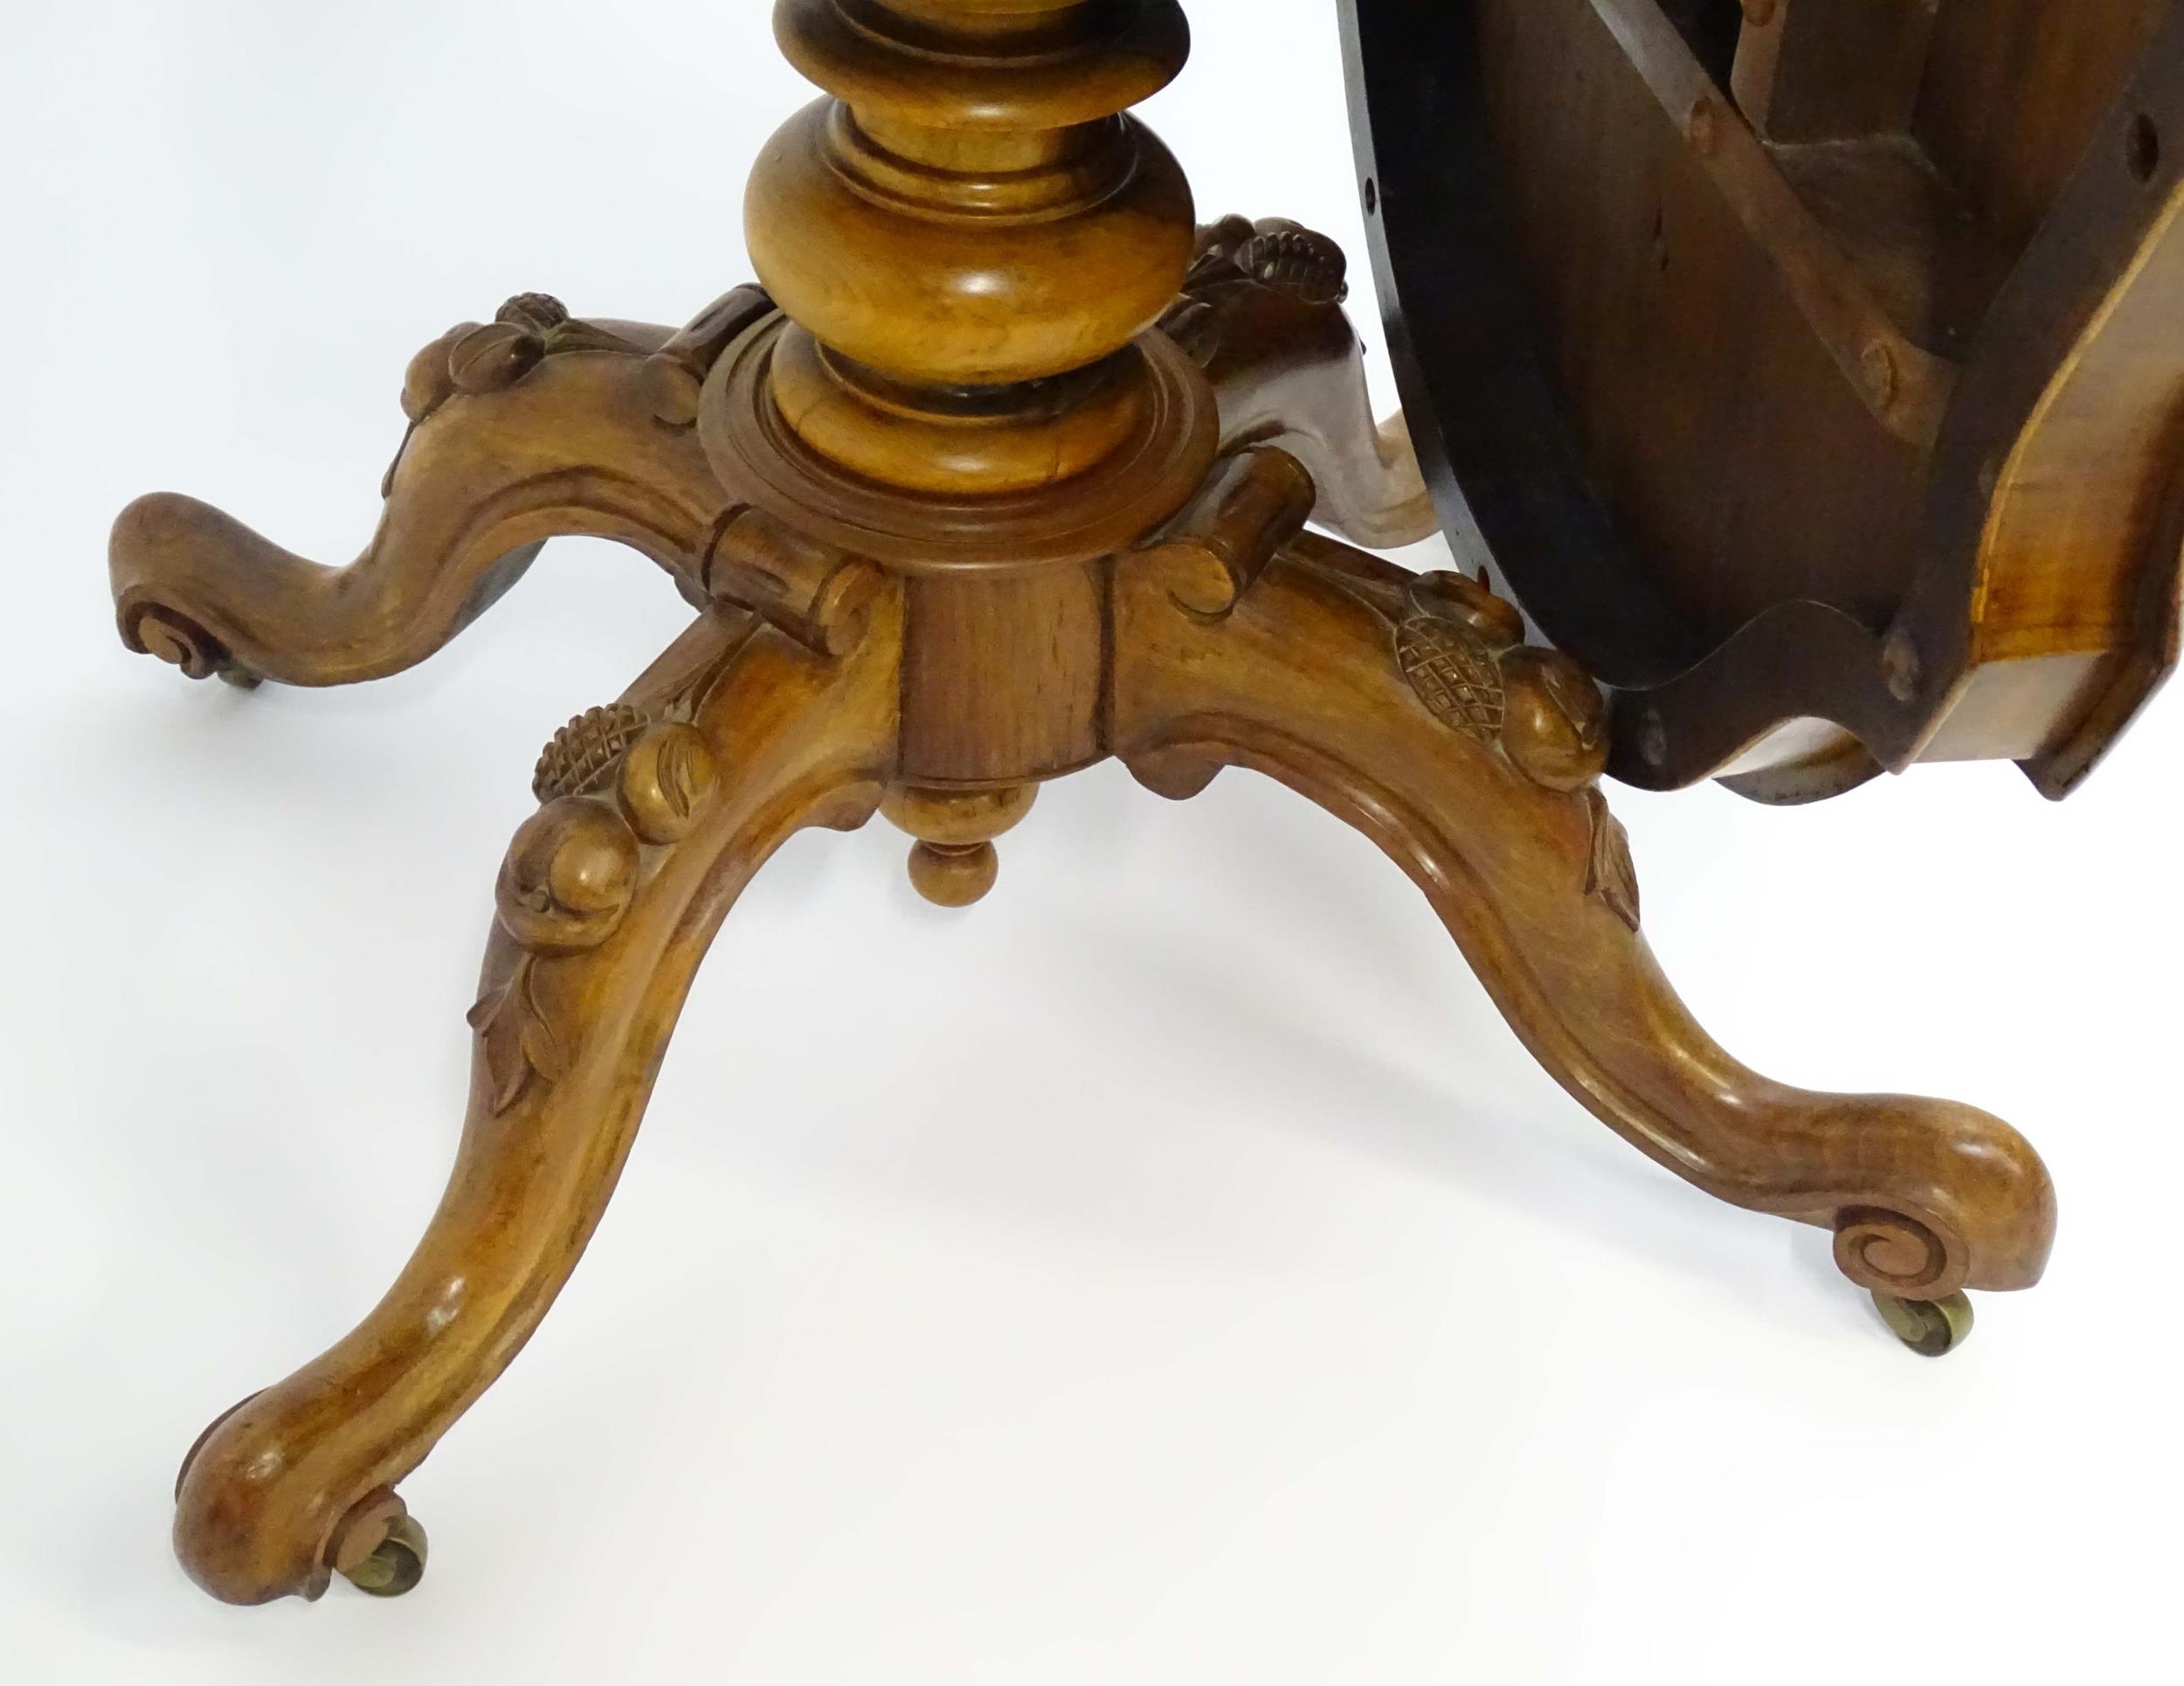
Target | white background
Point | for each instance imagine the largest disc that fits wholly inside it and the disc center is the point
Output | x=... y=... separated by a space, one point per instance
x=1171 y=1271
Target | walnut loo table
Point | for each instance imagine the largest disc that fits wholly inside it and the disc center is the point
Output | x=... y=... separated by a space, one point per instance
x=1006 y=467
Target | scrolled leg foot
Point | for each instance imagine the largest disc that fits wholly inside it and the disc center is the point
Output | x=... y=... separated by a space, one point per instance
x=607 y=902
x=529 y=426
x=1408 y=706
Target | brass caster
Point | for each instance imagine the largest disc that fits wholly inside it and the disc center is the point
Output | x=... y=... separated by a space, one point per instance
x=1933 y=1329
x=380 y=1549
x=397 y=1564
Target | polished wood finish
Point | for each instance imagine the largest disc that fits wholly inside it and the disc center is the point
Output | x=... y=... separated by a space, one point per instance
x=1005 y=469
x=1810 y=365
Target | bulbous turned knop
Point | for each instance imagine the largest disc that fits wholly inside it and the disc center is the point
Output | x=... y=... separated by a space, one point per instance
x=935 y=293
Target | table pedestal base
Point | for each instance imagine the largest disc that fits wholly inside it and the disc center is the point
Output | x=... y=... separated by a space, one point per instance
x=899 y=611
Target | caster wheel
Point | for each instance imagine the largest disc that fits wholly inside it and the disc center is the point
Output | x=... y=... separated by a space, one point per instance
x=397 y=1564
x=1933 y=1329
x=382 y=1549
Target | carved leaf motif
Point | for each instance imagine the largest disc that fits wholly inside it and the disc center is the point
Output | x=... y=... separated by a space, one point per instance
x=519 y=1042
x=1612 y=875
x=1454 y=671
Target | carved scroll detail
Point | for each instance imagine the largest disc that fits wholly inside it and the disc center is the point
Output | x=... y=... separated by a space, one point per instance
x=819 y=594
x=675 y=374
x=174 y=638
x=1256 y=501
x=1892 y=1253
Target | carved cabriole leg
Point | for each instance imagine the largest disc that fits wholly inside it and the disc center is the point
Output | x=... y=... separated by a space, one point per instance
x=522 y=429
x=608 y=900
x=1408 y=705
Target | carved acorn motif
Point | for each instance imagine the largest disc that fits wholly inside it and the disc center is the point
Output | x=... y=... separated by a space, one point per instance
x=495 y=358
x=666 y=775
x=1555 y=725
x=568 y=878
x=567 y=883
x=430 y=380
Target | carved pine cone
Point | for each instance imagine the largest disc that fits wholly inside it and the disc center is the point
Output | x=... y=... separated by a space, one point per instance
x=1452 y=670
x=582 y=755
x=1296 y=259
x=540 y=312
